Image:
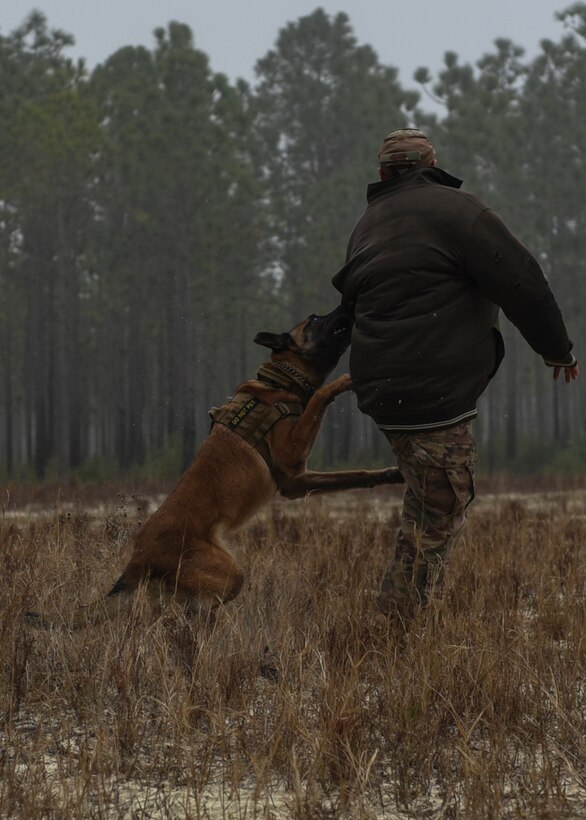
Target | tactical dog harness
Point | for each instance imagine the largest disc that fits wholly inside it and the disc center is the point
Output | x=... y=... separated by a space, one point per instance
x=251 y=418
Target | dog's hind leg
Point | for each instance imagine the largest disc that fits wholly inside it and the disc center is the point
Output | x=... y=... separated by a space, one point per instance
x=206 y=575
x=209 y=574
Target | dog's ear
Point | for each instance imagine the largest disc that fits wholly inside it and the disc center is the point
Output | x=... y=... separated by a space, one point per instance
x=275 y=341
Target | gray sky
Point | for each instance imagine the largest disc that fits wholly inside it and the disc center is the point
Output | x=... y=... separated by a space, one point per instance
x=235 y=33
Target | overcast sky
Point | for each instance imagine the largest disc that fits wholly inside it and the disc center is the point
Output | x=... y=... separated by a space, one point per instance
x=235 y=33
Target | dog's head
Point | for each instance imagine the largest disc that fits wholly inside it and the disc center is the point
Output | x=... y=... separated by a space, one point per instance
x=317 y=340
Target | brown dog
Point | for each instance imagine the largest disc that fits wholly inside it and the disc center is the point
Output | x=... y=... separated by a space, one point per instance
x=258 y=445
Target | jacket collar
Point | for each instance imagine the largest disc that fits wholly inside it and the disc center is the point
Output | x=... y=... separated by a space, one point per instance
x=416 y=176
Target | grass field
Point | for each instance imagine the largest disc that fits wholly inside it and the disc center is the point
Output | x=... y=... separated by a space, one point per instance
x=480 y=713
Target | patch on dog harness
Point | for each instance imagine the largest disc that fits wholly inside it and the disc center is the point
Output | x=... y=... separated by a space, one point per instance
x=243 y=412
x=251 y=419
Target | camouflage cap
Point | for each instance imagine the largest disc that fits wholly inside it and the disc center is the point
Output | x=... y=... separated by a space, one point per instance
x=406 y=147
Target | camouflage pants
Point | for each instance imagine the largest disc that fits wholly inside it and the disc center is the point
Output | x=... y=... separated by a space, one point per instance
x=438 y=468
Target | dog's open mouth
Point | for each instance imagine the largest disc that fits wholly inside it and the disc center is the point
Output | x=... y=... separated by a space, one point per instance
x=342 y=328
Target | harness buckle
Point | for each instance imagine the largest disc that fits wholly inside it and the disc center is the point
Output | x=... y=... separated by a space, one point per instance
x=282 y=408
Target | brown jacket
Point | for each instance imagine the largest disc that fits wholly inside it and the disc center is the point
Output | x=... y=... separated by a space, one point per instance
x=427 y=268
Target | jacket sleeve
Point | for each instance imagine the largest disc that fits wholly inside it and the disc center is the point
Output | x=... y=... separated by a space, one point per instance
x=507 y=273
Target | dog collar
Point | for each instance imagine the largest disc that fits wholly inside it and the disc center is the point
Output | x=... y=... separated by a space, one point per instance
x=274 y=373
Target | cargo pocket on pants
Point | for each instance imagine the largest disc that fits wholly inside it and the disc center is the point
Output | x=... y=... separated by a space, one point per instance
x=462 y=482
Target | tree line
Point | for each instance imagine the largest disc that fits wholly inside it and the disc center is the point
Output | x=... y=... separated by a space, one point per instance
x=154 y=216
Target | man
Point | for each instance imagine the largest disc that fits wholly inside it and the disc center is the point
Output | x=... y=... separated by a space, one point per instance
x=427 y=268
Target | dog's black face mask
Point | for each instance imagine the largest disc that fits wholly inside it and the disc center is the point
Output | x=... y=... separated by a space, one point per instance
x=319 y=339
x=328 y=336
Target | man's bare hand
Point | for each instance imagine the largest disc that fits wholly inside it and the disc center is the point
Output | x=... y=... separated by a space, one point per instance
x=570 y=373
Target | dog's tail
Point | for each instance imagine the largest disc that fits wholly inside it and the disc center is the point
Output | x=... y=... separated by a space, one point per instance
x=118 y=601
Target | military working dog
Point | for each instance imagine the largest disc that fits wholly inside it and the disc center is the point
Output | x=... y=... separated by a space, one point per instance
x=258 y=446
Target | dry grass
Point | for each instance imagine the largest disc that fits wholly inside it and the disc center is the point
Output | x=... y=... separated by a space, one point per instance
x=480 y=713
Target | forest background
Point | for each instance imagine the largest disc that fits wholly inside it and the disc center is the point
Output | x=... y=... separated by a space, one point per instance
x=154 y=216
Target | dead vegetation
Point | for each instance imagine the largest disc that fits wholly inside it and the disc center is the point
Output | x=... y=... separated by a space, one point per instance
x=479 y=713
